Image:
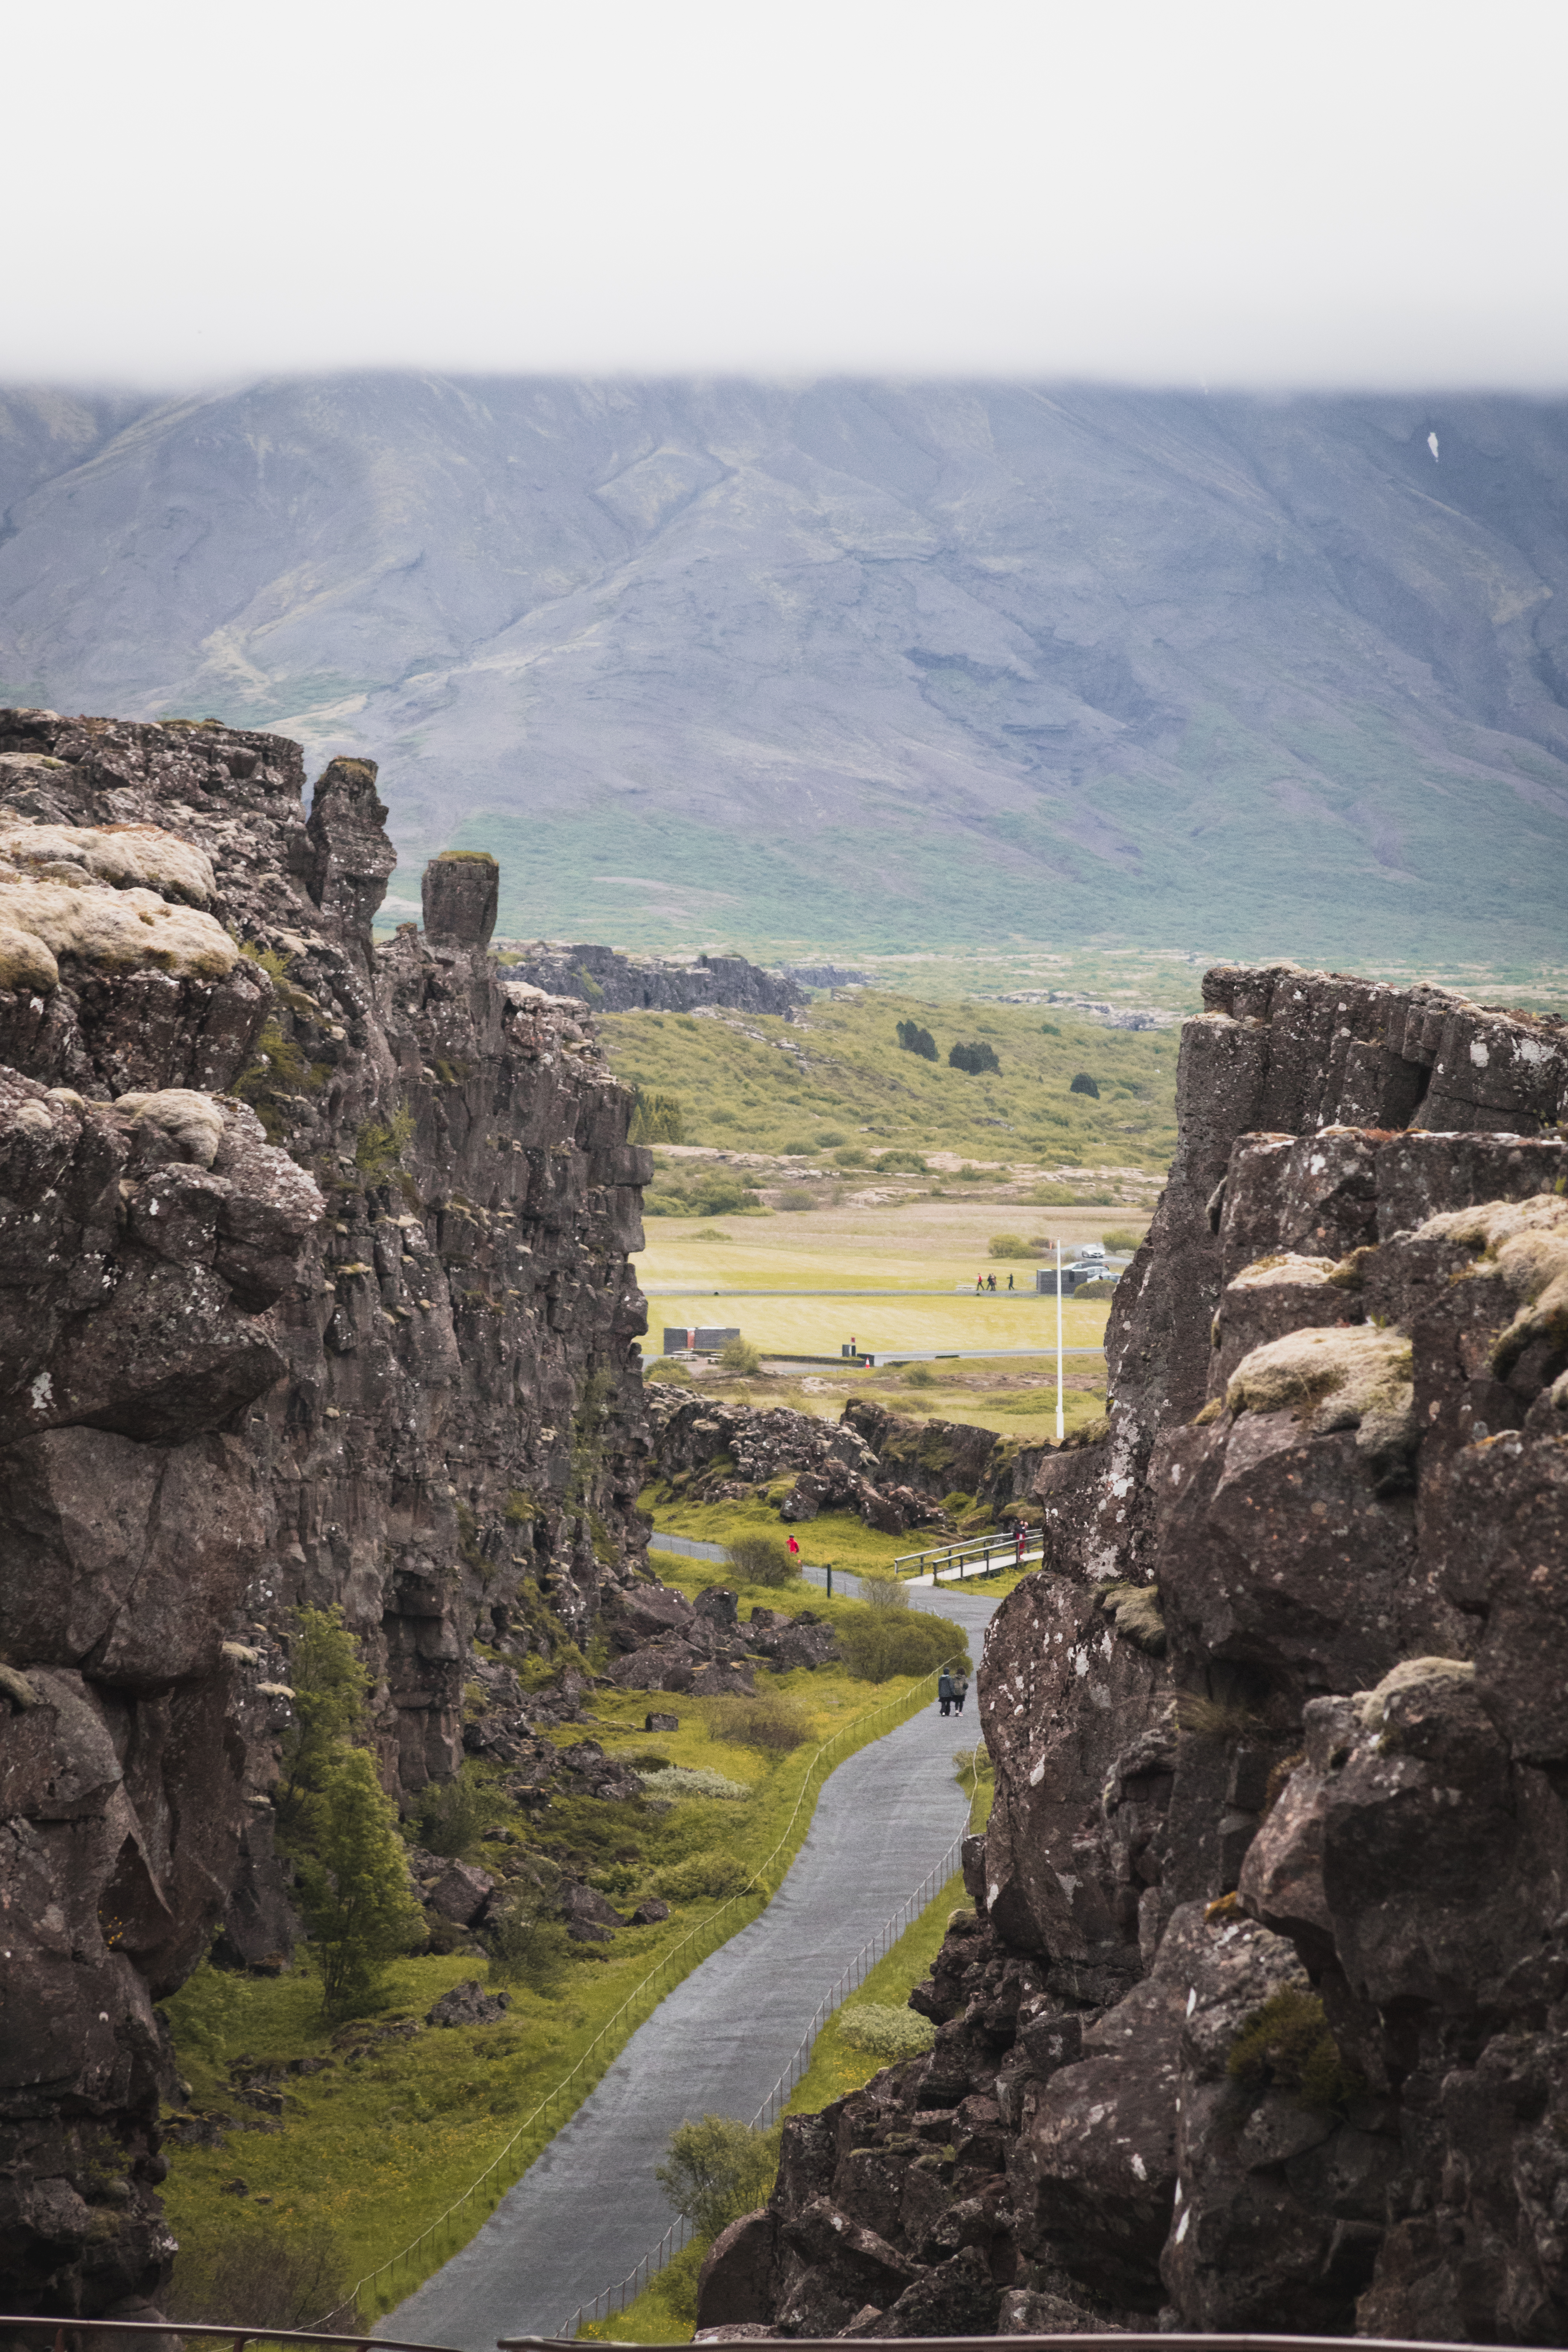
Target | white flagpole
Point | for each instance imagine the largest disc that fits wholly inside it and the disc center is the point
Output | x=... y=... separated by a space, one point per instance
x=1062 y=1426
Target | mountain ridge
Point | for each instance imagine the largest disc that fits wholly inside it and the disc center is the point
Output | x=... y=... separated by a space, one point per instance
x=863 y=664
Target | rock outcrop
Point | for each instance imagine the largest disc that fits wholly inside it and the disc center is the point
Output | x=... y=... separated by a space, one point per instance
x=1260 y=2020
x=611 y=982
x=313 y=1290
x=896 y=1474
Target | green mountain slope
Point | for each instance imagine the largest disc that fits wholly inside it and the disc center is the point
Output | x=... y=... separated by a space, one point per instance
x=839 y=1074
x=856 y=665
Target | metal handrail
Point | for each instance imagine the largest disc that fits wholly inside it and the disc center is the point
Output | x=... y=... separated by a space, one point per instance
x=42 y=2323
x=1120 y=2340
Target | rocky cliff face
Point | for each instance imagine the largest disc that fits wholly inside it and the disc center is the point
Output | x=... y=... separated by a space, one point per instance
x=314 y=1289
x=1261 y=2018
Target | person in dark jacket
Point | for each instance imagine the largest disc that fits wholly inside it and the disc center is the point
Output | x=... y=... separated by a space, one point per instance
x=959 y=1692
x=944 y=1690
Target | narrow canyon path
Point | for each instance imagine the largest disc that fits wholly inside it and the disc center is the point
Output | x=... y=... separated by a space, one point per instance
x=588 y=2208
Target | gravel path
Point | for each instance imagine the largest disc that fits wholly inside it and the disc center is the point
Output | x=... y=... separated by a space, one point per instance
x=588 y=2208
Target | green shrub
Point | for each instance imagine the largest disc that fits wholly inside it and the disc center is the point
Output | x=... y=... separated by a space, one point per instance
x=878 y=1644
x=704 y=1874
x=886 y=2033
x=796 y=1197
x=1010 y=1245
x=1287 y=2043
x=888 y=1163
x=1083 y=1084
x=880 y=1589
x=208 y=2011
x=916 y=1039
x=740 y=1356
x=263 y=2273
x=528 y=1949
x=761 y=1560
x=921 y=1376
x=676 y=1780
x=1123 y=1241
x=974 y=1057
x=717 y=2169
x=851 y=1156
x=451 y=1816
x=770 y=1722
x=378 y=1150
x=829 y=1137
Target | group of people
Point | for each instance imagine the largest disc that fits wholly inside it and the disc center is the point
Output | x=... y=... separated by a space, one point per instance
x=988 y=1282
x=952 y=1690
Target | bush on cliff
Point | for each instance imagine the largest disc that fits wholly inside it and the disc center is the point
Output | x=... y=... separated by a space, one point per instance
x=886 y=2033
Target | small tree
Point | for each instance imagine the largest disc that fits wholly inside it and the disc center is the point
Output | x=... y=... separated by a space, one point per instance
x=916 y=1039
x=331 y=1694
x=1084 y=1085
x=717 y=2169
x=880 y=1589
x=974 y=1057
x=527 y=1949
x=740 y=1356
x=354 y=1881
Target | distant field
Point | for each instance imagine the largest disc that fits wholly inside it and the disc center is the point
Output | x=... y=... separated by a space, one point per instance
x=836 y=1081
x=928 y=1245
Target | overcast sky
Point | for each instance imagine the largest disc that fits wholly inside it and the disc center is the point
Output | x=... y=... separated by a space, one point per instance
x=1365 y=192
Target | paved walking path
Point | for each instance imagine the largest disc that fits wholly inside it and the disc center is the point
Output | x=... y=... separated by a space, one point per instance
x=588 y=2208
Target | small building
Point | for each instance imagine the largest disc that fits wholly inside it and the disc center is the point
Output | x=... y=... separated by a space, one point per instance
x=1087 y=1268
x=701 y=1339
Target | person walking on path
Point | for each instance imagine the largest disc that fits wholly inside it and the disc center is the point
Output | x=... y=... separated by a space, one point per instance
x=1009 y=1281
x=944 y=1690
x=792 y=1547
x=979 y=1283
x=1020 y=1540
x=959 y=1692
x=991 y=1282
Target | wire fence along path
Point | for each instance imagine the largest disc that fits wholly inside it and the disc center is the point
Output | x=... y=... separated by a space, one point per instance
x=701 y=1942
x=876 y=1947
x=589 y=2204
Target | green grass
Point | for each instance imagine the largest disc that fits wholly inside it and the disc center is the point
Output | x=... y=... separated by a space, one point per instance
x=376 y=2148
x=843 y=1070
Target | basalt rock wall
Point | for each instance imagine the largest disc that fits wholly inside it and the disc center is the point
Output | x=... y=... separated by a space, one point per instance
x=1260 y=2020
x=313 y=1290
